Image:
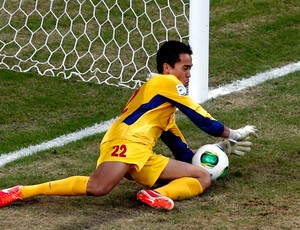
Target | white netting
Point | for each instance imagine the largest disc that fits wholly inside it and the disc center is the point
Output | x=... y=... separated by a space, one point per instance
x=111 y=41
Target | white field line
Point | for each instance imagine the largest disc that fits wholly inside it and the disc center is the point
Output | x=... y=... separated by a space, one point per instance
x=59 y=141
x=103 y=126
x=255 y=80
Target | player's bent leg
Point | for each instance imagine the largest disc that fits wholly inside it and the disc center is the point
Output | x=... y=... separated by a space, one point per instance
x=106 y=176
x=187 y=180
x=182 y=188
x=177 y=169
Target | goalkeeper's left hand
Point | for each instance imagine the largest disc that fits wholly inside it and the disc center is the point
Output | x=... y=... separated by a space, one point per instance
x=235 y=147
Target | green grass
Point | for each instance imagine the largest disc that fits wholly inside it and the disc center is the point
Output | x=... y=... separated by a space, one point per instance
x=35 y=108
x=262 y=190
x=248 y=37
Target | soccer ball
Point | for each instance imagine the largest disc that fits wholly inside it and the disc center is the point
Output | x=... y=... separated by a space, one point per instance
x=213 y=159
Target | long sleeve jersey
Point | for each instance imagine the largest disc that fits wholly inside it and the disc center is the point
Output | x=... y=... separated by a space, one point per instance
x=150 y=114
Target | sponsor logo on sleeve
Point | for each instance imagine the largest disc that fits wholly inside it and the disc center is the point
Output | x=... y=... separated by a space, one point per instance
x=181 y=90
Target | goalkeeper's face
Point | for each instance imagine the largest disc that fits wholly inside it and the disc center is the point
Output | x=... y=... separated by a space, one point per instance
x=181 y=69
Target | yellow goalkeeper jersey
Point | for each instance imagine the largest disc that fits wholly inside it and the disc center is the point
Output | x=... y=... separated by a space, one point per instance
x=150 y=111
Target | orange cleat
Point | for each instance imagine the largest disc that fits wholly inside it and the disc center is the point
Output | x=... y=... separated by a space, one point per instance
x=10 y=195
x=155 y=200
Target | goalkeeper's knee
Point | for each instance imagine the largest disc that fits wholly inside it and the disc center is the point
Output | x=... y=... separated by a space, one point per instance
x=205 y=180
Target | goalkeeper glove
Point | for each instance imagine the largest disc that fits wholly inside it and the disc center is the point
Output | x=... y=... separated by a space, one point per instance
x=243 y=133
x=235 y=147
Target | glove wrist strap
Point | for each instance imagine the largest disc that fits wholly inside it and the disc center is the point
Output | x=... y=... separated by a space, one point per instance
x=221 y=145
x=233 y=135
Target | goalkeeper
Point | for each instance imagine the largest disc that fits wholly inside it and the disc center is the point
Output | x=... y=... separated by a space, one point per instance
x=126 y=150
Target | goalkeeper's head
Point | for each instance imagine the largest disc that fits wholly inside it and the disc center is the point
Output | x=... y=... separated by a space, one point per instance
x=169 y=53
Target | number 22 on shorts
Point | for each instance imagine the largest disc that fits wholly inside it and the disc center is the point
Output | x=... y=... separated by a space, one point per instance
x=119 y=151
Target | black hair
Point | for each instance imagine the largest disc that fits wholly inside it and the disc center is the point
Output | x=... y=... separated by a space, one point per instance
x=169 y=53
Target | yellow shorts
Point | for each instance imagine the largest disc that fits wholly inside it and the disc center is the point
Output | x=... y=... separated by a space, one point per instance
x=146 y=165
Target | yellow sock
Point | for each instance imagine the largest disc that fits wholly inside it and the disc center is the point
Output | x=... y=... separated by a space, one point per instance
x=71 y=186
x=182 y=188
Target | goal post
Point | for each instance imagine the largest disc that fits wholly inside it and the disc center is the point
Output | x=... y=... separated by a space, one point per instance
x=103 y=41
x=199 y=41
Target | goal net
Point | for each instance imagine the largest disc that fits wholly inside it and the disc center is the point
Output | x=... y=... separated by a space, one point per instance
x=104 y=41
